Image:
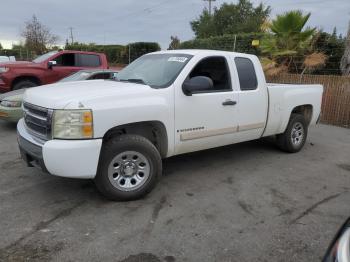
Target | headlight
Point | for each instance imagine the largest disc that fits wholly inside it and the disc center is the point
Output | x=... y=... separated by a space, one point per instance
x=4 y=69
x=72 y=124
x=11 y=103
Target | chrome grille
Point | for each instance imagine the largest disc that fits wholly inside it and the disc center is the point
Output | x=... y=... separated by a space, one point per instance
x=38 y=120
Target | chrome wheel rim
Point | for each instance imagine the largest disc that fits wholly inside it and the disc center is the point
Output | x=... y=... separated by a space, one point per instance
x=129 y=170
x=297 y=134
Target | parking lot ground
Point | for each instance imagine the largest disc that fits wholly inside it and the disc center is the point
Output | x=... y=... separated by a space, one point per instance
x=245 y=202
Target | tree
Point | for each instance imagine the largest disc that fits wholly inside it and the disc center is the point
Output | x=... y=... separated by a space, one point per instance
x=289 y=43
x=242 y=17
x=38 y=37
x=333 y=47
x=175 y=43
x=288 y=37
x=204 y=26
x=1 y=47
x=345 y=61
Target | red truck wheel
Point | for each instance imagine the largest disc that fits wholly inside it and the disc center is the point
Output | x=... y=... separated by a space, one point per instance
x=24 y=84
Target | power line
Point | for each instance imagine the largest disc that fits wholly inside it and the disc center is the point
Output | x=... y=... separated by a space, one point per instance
x=146 y=10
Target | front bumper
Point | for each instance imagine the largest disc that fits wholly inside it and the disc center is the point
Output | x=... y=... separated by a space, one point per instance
x=31 y=153
x=11 y=114
x=65 y=158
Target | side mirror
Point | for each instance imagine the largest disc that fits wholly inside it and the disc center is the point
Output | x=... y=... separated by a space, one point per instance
x=339 y=251
x=197 y=84
x=50 y=64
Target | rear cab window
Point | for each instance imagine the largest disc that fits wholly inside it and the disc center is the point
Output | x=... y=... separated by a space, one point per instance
x=88 y=60
x=246 y=74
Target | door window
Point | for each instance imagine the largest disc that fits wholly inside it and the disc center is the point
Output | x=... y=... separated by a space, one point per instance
x=217 y=70
x=65 y=60
x=85 y=60
x=105 y=75
x=246 y=74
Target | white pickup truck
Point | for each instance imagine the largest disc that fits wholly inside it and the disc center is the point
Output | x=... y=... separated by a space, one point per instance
x=163 y=104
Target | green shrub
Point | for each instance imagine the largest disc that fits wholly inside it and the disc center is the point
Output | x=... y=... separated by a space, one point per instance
x=139 y=49
x=226 y=43
x=117 y=54
x=113 y=52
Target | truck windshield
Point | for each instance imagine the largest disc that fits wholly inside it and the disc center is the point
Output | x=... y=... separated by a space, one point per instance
x=43 y=57
x=155 y=70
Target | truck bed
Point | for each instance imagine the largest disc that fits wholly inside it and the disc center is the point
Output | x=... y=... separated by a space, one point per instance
x=282 y=101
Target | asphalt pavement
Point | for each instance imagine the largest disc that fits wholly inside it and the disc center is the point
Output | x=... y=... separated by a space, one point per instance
x=245 y=202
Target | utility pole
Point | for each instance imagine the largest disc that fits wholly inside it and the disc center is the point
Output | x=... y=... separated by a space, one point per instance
x=71 y=34
x=209 y=1
x=234 y=43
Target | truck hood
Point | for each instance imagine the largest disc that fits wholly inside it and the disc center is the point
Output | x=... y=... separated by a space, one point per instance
x=82 y=93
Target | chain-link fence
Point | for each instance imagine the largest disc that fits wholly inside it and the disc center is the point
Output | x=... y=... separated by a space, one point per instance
x=21 y=54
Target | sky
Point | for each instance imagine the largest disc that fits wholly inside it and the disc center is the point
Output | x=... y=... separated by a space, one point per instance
x=126 y=21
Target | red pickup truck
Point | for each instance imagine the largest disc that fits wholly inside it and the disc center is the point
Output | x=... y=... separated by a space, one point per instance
x=47 y=69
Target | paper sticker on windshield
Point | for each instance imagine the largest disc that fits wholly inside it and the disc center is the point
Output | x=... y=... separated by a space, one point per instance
x=177 y=59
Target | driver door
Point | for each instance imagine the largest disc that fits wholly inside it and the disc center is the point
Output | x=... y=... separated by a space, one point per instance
x=208 y=119
x=66 y=64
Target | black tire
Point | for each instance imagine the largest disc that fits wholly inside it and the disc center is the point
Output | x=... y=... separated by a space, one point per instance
x=24 y=84
x=116 y=147
x=285 y=140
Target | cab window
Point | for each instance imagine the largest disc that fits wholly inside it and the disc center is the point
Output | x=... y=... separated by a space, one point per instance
x=65 y=60
x=88 y=60
x=246 y=74
x=104 y=75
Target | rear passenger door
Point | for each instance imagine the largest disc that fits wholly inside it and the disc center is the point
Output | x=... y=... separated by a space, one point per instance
x=253 y=98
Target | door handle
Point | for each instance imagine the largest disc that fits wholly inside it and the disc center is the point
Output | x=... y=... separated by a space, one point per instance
x=229 y=103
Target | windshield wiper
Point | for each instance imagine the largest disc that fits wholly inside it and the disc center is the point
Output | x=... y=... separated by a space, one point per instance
x=133 y=80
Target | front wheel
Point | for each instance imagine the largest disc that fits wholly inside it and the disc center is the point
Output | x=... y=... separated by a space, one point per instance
x=24 y=84
x=130 y=166
x=293 y=139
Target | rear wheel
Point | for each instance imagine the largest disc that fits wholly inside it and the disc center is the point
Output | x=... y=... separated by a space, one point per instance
x=24 y=84
x=293 y=139
x=130 y=166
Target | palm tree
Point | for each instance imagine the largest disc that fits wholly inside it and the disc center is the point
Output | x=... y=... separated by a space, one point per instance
x=288 y=40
